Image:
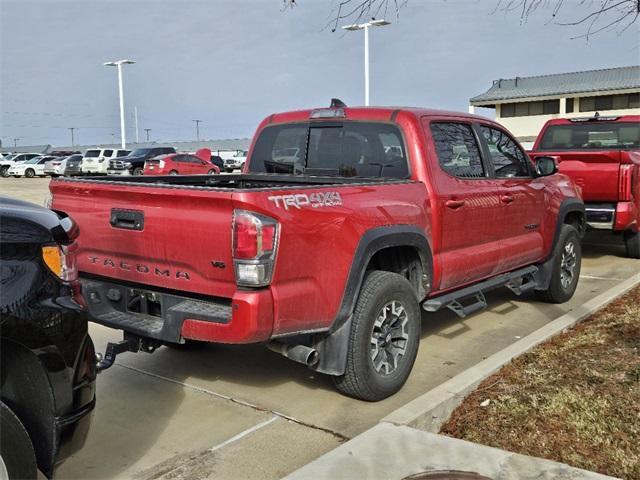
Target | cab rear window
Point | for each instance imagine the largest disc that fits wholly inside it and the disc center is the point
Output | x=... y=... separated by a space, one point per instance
x=345 y=149
x=592 y=135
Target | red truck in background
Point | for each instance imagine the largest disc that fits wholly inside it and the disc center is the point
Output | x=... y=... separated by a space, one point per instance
x=343 y=222
x=602 y=156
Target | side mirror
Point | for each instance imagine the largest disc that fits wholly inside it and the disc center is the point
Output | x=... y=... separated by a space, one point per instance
x=546 y=166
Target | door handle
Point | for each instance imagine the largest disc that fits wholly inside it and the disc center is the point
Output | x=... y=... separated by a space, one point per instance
x=506 y=198
x=454 y=204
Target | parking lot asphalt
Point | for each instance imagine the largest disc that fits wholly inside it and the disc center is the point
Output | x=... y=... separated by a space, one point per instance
x=245 y=412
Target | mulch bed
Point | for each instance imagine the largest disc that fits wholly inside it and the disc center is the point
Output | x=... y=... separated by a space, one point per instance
x=574 y=399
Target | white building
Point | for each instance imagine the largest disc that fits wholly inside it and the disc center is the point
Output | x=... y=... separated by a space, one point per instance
x=524 y=104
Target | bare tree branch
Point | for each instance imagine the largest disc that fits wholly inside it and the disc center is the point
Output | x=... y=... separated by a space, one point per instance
x=597 y=19
x=600 y=16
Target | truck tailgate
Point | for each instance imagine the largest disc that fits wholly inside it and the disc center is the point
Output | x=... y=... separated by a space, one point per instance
x=595 y=172
x=173 y=238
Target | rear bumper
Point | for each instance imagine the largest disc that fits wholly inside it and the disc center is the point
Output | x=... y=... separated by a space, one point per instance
x=169 y=316
x=122 y=173
x=618 y=216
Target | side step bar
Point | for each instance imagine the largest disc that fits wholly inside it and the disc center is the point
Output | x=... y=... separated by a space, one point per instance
x=468 y=300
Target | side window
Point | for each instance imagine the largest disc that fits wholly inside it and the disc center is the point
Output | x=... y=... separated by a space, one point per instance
x=107 y=153
x=458 y=151
x=508 y=159
x=193 y=159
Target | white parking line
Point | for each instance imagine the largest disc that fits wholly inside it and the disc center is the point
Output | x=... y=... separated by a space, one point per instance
x=595 y=277
x=240 y=435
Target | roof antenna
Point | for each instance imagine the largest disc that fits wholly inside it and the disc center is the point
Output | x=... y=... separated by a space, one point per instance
x=337 y=103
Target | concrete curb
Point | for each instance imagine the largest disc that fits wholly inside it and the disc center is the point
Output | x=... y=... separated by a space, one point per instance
x=431 y=410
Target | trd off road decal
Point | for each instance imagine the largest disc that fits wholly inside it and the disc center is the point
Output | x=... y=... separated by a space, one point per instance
x=313 y=200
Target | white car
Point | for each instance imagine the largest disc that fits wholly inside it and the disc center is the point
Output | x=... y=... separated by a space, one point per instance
x=97 y=160
x=30 y=168
x=57 y=166
x=12 y=160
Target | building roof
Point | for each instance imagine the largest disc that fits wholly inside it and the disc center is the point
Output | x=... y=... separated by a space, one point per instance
x=26 y=149
x=621 y=78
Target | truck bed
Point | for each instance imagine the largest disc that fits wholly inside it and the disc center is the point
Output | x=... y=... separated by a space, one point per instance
x=252 y=181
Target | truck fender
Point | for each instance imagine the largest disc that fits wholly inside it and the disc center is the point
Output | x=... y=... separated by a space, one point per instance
x=568 y=207
x=332 y=346
x=32 y=401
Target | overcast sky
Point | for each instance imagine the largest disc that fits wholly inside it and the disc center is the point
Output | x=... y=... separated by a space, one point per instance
x=233 y=62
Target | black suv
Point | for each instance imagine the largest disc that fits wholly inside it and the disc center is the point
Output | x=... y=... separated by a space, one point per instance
x=47 y=359
x=133 y=164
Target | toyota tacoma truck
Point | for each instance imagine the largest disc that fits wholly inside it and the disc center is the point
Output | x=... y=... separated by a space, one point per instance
x=343 y=223
x=602 y=156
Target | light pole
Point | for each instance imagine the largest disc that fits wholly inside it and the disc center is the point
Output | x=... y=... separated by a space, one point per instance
x=365 y=27
x=198 y=122
x=72 y=129
x=147 y=130
x=119 y=63
x=15 y=142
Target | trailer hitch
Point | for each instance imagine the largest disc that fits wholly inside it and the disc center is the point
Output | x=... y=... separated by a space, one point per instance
x=130 y=343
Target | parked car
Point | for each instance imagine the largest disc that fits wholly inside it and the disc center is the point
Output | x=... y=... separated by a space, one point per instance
x=133 y=164
x=30 y=168
x=64 y=153
x=14 y=160
x=57 y=166
x=47 y=357
x=602 y=155
x=327 y=258
x=182 y=164
x=217 y=161
x=96 y=161
x=74 y=166
x=236 y=161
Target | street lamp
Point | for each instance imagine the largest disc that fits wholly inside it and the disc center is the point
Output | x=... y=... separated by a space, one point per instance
x=365 y=27
x=119 y=63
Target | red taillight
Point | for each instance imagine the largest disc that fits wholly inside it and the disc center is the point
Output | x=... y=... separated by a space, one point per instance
x=245 y=237
x=624 y=183
x=255 y=241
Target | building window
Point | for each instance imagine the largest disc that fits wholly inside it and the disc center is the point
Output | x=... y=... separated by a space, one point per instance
x=526 y=109
x=569 y=106
x=610 y=102
x=508 y=110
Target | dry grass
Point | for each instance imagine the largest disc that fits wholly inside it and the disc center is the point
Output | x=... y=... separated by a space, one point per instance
x=574 y=399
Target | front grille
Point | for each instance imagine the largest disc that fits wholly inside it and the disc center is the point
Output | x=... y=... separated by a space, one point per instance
x=116 y=164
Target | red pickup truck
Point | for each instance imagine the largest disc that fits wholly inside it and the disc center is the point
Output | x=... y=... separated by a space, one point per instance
x=343 y=222
x=602 y=156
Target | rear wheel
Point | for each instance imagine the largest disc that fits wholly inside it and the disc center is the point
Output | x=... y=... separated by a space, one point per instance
x=137 y=171
x=566 y=267
x=632 y=243
x=173 y=172
x=30 y=173
x=4 y=171
x=17 y=457
x=384 y=338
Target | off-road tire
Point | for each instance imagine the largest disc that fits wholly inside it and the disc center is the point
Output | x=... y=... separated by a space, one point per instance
x=29 y=173
x=4 y=171
x=632 y=243
x=557 y=293
x=137 y=171
x=361 y=379
x=16 y=448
